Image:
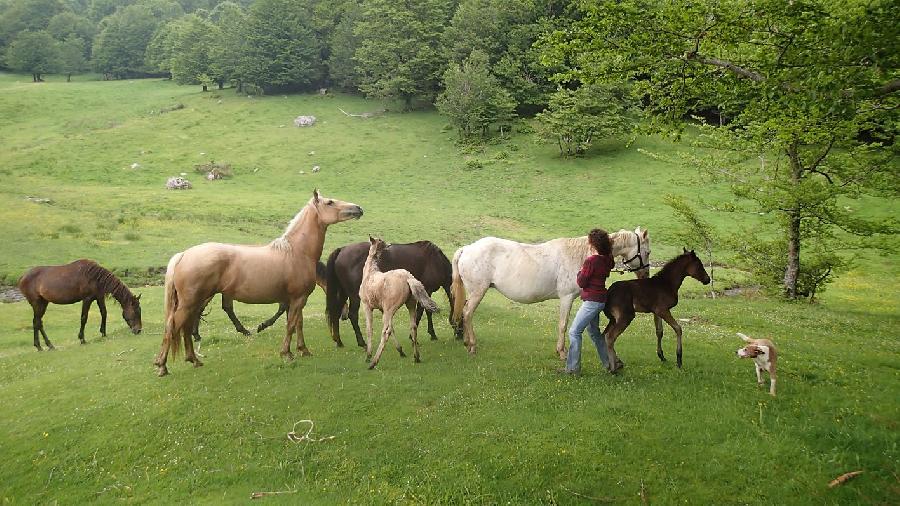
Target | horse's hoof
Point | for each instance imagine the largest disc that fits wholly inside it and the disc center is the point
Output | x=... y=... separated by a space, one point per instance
x=162 y=371
x=259 y=329
x=39 y=348
x=198 y=363
x=304 y=352
x=417 y=360
x=472 y=351
x=372 y=366
x=246 y=333
x=287 y=355
x=339 y=343
x=51 y=347
x=403 y=355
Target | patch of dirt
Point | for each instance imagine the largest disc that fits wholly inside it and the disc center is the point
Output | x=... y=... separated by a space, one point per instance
x=10 y=294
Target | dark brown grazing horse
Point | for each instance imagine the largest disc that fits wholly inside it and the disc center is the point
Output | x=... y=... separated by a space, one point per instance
x=344 y=271
x=228 y=307
x=81 y=280
x=657 y=295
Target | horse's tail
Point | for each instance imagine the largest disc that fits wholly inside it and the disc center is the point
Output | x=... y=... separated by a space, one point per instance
x=458 y=291
x=334 y=295
x=744 y=337
x=421 y=295
x=172 y=338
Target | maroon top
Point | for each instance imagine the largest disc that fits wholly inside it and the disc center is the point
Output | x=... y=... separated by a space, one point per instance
x=592 y=277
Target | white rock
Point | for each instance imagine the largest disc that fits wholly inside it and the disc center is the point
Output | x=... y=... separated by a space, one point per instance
x=315 y=168
x=135 y=165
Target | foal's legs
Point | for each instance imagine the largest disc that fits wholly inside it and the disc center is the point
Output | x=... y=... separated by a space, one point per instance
x=667 y=316
x=187 y=330
x=368 y=332
x=353 y=316
x=271 y=321
x=39 y=307
x=228 y=307
x=85 y=308
x=468 y=310
x=101 y=305
x=386 y=330
x=659 y=335
x=612 y=332
x=414 y=327
x=565 y=307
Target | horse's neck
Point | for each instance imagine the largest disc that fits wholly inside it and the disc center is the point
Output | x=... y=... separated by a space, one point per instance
x=119 y=291
x=674 y=276
x=307 y=237
x=369 y=268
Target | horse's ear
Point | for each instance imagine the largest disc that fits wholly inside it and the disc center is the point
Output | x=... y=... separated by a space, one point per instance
x=685 y=249
x=139 y=296
x=316 y=195
x=644 y=235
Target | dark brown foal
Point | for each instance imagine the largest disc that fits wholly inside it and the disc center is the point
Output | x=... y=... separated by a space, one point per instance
x=657 y=295
x=80 y=281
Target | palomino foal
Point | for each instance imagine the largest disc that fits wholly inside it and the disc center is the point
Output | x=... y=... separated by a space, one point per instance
x=283 y=271
x=388 y=291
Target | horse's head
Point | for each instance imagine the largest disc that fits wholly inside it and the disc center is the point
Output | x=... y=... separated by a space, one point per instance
x=695 y=267
x=334 y=211
x=637 y=259
x=131 y=312
x=376 y=246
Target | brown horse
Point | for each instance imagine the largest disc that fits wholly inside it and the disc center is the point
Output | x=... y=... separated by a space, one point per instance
x=344 y=272
x=283 y=271
x=388 y=291
x=657 y=295
x=82 y=280
x=228 y=307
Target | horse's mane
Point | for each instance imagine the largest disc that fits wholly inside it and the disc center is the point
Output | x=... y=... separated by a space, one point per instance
x=282 y=243
x=429 y=247
x=670 y=265
x=107 y=281
x=579 y=246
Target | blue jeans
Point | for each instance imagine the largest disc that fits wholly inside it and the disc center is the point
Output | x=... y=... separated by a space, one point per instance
x=588 y=316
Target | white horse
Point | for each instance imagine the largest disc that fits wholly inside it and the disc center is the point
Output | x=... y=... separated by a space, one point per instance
x=530 y=273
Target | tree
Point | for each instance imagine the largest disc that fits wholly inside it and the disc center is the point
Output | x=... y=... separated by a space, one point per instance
x=33 y=52
x=282 y=51
x=473 y=98
x=809 y=85
x=506 y=31
x=400 y=53
x=229 y=18
x=697 y=233
x=575 y=118
x=26 y=15
x=66 y=24
x=343 y=43
x=120 y=47
x=71 y=56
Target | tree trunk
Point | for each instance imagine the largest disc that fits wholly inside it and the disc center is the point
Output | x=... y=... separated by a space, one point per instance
x=792 y=271
x=68 y=78
x=221 y=85
x=204 y=88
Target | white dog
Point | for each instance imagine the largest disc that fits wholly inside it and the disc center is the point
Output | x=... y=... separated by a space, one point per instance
x=764 y=354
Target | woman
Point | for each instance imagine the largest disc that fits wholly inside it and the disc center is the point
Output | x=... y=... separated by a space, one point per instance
x=592 y=280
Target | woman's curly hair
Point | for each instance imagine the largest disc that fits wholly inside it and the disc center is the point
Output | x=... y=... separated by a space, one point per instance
x=599 y=239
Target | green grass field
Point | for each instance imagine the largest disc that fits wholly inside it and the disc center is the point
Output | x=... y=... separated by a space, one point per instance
x=94 y=423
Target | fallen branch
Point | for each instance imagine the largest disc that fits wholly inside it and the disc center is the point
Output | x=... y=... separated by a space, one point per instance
x=295 y=438
x=840 y=480
x=596 y=499
x=643 y=494
x=365 y=114
x=260 y=495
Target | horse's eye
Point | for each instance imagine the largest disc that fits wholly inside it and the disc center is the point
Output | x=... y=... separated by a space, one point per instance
x=330 y=202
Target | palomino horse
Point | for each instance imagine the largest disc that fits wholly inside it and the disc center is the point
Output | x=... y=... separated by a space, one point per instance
x=529 y=273
x=81 y=280
x=423 y=259
x=228 y=307
x=657 y=295
x=283 y=271
x=388 y=291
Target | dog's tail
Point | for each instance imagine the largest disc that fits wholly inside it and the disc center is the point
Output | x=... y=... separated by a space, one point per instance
x=421 y=295
x=744 y=337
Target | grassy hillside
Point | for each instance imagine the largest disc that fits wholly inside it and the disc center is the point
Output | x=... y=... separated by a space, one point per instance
x=94 y=423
